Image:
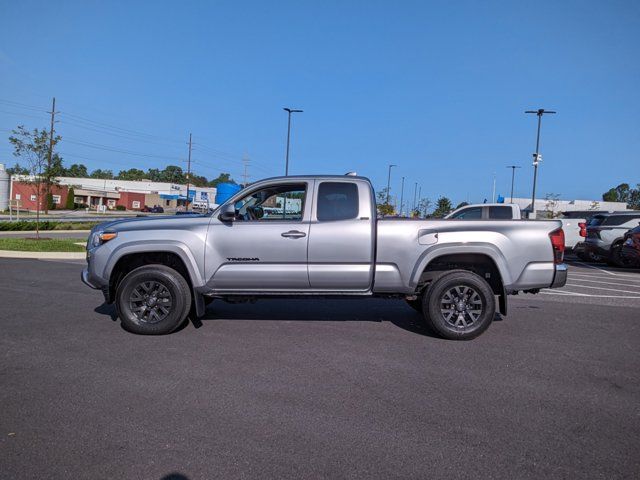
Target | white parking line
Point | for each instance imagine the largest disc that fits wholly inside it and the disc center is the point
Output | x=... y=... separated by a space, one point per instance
x=575 y=294
x=601 y=288
x=595 y=268
x=603 y=282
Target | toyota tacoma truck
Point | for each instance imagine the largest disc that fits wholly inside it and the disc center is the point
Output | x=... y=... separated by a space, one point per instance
x=319 y=236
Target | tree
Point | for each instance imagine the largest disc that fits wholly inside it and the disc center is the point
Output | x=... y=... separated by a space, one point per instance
x=423 y=207
x=222 y=178
x=132 y=174
x=551 y=203
x=77 y=170
x=443 y=206
x=624 y=193
x=102 y=174
x=173 y=174
x=33 y=147
x=384 y=208
x=461 y=204
x=71 y=194
x=17 y=170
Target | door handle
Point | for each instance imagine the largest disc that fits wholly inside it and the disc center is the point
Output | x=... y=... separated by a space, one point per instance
x=293 y=234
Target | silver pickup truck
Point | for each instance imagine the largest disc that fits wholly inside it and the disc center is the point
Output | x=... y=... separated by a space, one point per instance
x=319 y=236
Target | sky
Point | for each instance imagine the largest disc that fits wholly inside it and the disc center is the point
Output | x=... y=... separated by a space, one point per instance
x=438 y=88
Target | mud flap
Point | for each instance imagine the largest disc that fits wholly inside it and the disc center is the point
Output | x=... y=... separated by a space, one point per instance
x=200 y=307
x=502 y=302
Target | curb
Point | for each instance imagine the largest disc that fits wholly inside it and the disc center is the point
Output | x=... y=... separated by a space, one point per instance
x=43 y=255
x=42 y=232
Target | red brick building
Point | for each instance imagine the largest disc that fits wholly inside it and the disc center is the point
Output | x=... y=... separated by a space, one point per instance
x=25 y=194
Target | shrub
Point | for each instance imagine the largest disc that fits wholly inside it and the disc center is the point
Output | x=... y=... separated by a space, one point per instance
x=70 y=197
x=121 y=208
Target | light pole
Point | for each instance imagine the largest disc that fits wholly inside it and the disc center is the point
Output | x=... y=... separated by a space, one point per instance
x=536 y=157
x=401 y=196
x=415 y=193
x=289 y=111
x=513 y=176
x=389 y=181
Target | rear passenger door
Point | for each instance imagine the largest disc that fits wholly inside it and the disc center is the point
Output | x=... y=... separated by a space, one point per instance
x=341 y=236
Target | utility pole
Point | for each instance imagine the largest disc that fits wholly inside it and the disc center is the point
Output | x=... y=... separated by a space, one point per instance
x=389 y=182
x=513 y=176
x=49 y=160
x=415 y=193
x=493 y=194
x=245 y=175
x=289 y=111
x=536 y=157
x=419 y=198
x=402 y=196
x=188 y=174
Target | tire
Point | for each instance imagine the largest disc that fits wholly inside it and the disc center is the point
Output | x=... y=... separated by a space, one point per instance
x=615 y=257
x=415 y=304
x=141 y=297
x=458 y=320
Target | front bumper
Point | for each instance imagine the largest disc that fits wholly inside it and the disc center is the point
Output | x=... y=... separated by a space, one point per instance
x=94 y=282
x=560 y=276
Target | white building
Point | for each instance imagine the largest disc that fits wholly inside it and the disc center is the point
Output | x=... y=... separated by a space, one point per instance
x=557 y=206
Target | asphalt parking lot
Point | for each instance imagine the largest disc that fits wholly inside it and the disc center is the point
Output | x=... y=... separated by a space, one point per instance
x=319 y=389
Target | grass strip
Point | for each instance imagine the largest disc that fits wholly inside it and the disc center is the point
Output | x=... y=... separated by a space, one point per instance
x=42 y=245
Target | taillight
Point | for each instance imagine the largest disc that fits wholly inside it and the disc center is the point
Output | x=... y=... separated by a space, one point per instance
x=583 y=229
x=557 y=242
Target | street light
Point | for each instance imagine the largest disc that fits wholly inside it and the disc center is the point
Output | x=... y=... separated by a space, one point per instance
x=401 y=196
x=513 y=174
x=536 y=157
x=389 y=181
x=289 y=111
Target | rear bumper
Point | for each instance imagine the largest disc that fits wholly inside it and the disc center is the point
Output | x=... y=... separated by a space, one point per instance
x=596 y=249
x=560 y=276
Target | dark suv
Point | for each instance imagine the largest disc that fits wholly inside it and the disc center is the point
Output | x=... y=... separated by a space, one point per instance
x=605 y=233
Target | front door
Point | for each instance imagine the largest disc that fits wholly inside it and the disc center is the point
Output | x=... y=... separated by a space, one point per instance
x=265 y=248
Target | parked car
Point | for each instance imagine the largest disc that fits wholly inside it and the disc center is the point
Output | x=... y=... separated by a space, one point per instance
x=630 y=248
x=157 y=270
x=574 y=230
x=156 y=209
x=605 y=235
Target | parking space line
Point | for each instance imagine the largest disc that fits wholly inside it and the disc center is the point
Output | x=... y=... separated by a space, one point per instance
x=609 y=272
x=575 y=294
x=632 y=276
x=596 y=268
x=603 y=282
x=601 y=288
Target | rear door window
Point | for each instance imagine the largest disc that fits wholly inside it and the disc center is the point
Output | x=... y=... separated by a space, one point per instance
x=500 y=213
x=337 y=201
x=472 y=213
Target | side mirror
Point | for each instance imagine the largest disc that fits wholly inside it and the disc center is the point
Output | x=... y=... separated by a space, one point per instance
x=227 y=213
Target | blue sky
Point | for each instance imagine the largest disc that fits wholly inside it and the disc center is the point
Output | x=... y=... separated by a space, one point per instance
x=438 y=88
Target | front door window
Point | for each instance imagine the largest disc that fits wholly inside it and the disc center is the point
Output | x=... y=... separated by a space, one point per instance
x=274 y=203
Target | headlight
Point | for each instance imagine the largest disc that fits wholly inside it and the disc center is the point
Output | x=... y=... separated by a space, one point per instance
x=99 y=237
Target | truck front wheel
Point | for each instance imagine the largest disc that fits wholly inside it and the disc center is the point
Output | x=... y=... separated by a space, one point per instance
x=459 y=305
x=153 y=300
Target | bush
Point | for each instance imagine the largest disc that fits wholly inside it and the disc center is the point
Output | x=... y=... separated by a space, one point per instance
x=25 y=225
x=121 y=208
x=70 y=197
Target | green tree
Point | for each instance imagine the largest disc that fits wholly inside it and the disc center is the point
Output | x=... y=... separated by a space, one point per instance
x=102 y=174
x=461 y=204
x=422 y=209
x=77 y=170
x=222 y=178
x=70 y=205
x=173 y=174
x=132 y=174
x=620 y=193
x=34 y=147
x=17 y=170
x=443 y=206
x=384 y=208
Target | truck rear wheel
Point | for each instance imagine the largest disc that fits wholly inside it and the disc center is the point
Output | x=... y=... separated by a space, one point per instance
x=459 y=305
x=153 y=300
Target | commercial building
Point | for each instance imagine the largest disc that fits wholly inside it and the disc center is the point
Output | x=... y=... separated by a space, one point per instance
x=96 y=193
x=558 y=206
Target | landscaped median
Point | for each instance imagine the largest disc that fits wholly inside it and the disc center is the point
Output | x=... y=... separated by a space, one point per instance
x=52 y=248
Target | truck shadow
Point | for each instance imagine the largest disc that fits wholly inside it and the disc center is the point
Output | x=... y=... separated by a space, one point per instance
x=396 y=312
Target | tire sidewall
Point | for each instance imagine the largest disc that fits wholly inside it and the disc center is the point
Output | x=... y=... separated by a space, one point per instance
x=172 y=280
x=432 y=301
